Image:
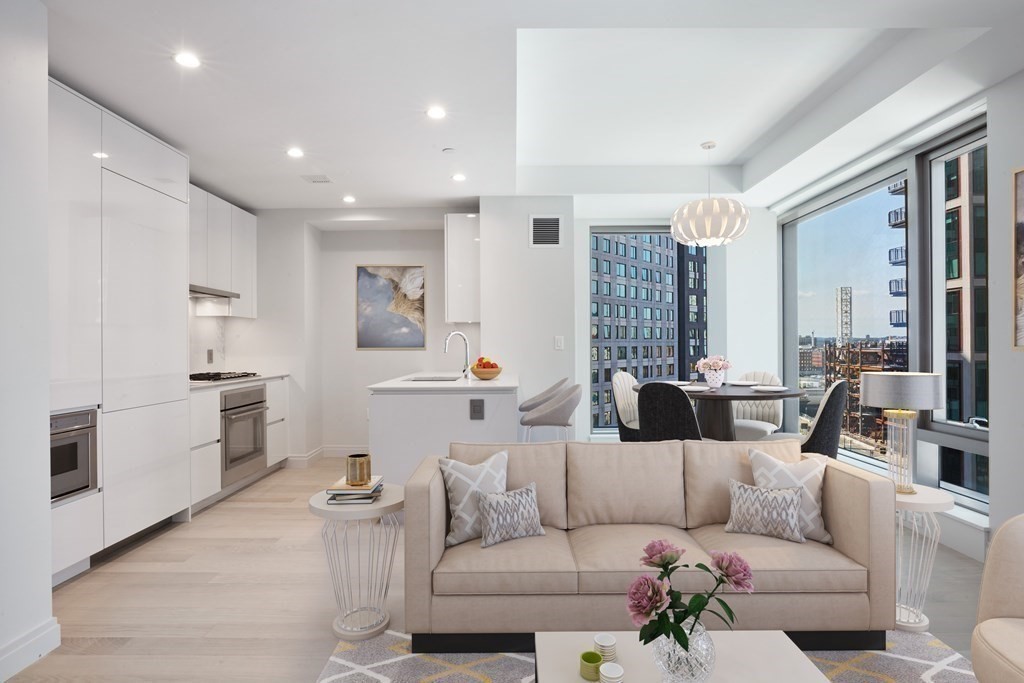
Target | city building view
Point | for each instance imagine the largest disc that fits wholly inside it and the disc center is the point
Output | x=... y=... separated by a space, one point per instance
x=648 y=313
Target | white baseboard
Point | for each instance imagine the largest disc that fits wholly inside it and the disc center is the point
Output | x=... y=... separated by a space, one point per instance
x=300 y=462
x=25 y=650
x=71 y=572
x=337 y=451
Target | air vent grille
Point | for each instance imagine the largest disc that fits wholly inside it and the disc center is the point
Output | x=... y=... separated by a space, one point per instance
x=316 y=179
x=545 y=231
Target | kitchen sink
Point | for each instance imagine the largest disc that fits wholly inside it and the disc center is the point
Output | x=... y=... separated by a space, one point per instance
x=439 y=378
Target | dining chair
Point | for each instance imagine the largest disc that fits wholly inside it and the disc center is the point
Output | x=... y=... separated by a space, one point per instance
x=541 y=398
x=666 y=413
x=823 y=436
x=556 y=412
x=626 y=410
x=757 y=419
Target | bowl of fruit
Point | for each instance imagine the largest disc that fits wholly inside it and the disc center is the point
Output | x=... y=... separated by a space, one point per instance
x=485 y=368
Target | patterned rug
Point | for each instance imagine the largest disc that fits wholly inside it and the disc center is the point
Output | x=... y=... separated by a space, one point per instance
x=908 y=658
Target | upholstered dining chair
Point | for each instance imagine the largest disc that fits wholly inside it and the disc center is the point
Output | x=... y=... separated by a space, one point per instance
x=757 y=419
x=996 y=645
x=626 y=410
x=666 y=413
x=823 y=436
x=556 y=412
x=541 y=398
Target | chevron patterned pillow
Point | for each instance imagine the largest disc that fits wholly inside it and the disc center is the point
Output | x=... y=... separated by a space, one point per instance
x=464 y=483
x=765 y=512
x=808 y=474
x=509 y=515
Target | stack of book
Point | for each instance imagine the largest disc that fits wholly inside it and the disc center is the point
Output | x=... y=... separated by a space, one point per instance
x=343 y=493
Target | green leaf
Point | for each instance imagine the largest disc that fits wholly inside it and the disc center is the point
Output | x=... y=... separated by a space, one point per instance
x=679 y=633
x=726 y=621
x=727 y=609
x=663 y=622
x=701 y=565
x=649 y=632
x=697 y=603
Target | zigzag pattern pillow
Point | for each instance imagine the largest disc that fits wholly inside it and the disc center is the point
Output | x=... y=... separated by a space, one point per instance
x=464 y=484
x=809 y=474
x=765 y=512
x=510 y=515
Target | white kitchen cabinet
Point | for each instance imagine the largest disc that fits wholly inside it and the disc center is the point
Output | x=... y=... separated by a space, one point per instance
x=277 y=442
x=219 y=243
x=204 y=416
x=145 y=305
x=205 y=472
x=77 y=530
x=135 y=154
x=243 y=263
x=74 y=243
x=145 y=467
x=197 y=236
x=462 y=268
x=277 y=399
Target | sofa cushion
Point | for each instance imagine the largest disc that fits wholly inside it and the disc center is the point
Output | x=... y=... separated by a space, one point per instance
x=784 y=567
x=509 y=515
x=625 y=483
x=766 y=512
x=463 y=484
x=543 y=463
x=710 y=466
x=526 y=566
x=809 y=475
x=996 y=650
x=608 y=557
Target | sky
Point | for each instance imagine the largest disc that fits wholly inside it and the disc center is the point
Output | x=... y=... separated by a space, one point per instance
x=849 y=247
x=378 y=327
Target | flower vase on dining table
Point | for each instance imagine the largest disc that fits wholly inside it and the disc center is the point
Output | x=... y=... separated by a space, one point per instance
x=714 y=378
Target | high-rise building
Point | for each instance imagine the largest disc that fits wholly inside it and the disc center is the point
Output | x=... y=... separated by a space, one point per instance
x=648 y=312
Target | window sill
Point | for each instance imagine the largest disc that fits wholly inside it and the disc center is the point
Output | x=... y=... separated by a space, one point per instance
x=971 y=518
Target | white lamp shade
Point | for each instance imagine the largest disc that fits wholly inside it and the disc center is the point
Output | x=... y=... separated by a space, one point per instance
x=901 y=390
x=710 y=222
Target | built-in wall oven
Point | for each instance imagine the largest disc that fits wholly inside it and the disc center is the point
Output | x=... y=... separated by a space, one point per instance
x=73 y=459
x=243 y=433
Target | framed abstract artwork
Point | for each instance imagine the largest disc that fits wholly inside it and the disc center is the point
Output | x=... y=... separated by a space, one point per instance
x=389 y=307
x=1018 y=259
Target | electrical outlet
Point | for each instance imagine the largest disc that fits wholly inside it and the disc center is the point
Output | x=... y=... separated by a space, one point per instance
x=476 y=409
x=209 y=356
x=559 y=343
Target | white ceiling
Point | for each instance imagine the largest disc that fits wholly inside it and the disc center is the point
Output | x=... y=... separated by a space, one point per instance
x=543 y=97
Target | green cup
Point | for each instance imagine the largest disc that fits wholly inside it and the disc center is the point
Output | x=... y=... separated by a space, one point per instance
x=590 y=665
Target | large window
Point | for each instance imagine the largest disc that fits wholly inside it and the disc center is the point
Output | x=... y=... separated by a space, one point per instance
x=654 y=265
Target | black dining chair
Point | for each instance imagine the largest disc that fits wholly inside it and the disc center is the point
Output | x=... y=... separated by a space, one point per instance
x=823 y=436
x=666 y=413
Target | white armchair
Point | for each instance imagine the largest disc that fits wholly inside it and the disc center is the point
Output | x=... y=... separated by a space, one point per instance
x=757 y=419
x=997 y=646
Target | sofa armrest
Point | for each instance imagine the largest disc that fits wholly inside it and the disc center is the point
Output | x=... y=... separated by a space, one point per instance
x=426 y=522
x=859 y=509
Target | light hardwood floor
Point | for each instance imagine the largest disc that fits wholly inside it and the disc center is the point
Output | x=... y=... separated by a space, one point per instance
x=242 y=594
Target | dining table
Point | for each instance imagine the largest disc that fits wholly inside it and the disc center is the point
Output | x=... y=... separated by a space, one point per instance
x=714 y=404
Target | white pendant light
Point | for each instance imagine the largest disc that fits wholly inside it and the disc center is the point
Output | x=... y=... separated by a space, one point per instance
x=712 y=221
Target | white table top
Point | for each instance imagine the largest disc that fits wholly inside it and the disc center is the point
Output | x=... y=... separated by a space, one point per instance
x=927 y=499
x=392 y=499
x=505 y=383
x=741 y=657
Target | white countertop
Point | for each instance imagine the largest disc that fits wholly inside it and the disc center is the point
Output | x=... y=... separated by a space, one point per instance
x=505 y=383
x=199 y=386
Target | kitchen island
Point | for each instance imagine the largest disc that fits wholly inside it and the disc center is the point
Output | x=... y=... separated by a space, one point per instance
x=417 y=415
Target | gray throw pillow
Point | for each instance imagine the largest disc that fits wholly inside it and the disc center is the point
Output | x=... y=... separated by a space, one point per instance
x=765 y=512
x=464 y=484
x=510 y=515
x=808 y=474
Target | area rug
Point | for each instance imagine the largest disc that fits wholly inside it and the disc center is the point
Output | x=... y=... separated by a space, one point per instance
x=908 y=658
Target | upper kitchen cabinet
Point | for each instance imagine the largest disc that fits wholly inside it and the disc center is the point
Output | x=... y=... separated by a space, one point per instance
x=231 y=259
x=135 y=154
x=462 y=268
x=198 y=200
x=218 y=243
x=243 y=263
x=74 y=242
x=145 y=310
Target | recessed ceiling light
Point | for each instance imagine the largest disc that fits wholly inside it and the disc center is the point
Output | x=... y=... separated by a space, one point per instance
x=348 y=199
x=436 y=112
x=470 y=215
x=295 y=152
x=100 y=155
x=187 y=60
x=458 y=177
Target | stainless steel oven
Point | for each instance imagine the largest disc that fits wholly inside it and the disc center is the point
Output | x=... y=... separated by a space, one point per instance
x=72 y=454
x=243 y=433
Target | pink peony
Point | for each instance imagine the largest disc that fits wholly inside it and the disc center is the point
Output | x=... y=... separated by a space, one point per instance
x=735 y=571
x=659 y=553
x=646 y=597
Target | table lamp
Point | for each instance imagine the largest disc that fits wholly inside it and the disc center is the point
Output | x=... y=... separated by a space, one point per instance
x=901 y=395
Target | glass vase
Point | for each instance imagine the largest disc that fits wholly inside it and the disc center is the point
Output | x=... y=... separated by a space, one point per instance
x=681 y=666
x=714 y=377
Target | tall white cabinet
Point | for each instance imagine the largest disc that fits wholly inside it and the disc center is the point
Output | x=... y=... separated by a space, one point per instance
x=462 y=268
x=222 y=254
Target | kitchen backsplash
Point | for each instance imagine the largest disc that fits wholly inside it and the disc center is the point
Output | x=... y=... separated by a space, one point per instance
x=205 y=333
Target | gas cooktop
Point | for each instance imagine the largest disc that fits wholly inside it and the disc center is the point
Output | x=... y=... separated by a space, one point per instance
x=218 y=376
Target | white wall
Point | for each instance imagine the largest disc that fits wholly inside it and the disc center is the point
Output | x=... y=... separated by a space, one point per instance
x=27 y=627
x=346 y=371
x=313 y=356
x=527 y=294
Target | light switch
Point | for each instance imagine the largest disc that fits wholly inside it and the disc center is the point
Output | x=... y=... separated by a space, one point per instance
x=209 y=356
x=559 y=343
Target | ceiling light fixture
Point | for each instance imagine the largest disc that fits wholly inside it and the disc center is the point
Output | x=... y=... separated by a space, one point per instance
x=436 y=112
x=470 y=215
x=100 y=155
x=296 y=153
x=187 y=60
x=712 y=221
x=348 y=199
x=459 y=177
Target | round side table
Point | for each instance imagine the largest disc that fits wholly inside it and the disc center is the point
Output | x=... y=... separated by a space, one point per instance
x=360 y=540
x=917 y=539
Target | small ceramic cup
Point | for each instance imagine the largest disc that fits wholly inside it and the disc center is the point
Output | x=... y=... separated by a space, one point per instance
x=590 y=665
x=610 y=672
x=604 y=645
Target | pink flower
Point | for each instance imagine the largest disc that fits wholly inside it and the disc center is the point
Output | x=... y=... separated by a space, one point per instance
x=659 y=553
x=646 y=597
x=735 y=571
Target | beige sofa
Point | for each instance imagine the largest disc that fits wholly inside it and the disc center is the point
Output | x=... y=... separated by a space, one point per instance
x=600 y=504
x=997 y=646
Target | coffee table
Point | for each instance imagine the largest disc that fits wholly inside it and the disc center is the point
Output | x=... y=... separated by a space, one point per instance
x=741 y=657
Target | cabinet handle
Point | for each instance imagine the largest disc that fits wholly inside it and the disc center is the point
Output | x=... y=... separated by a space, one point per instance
x=247 y=413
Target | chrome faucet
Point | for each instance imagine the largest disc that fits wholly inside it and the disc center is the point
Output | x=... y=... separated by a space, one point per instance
x=456 y=333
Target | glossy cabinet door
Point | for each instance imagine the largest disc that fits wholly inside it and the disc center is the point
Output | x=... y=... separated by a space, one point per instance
x=462 y=268
x=197 y=231
x=77 y=530
x=218 y=242
x=277 y=442
x=134 y=154
x=145 y=297
x=243 y=263
x=145 y=467
x=74 y=237
x=277 y=399
x=205 y=472
x=204 y=416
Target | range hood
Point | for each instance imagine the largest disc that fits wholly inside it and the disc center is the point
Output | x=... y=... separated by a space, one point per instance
x=202 y=292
